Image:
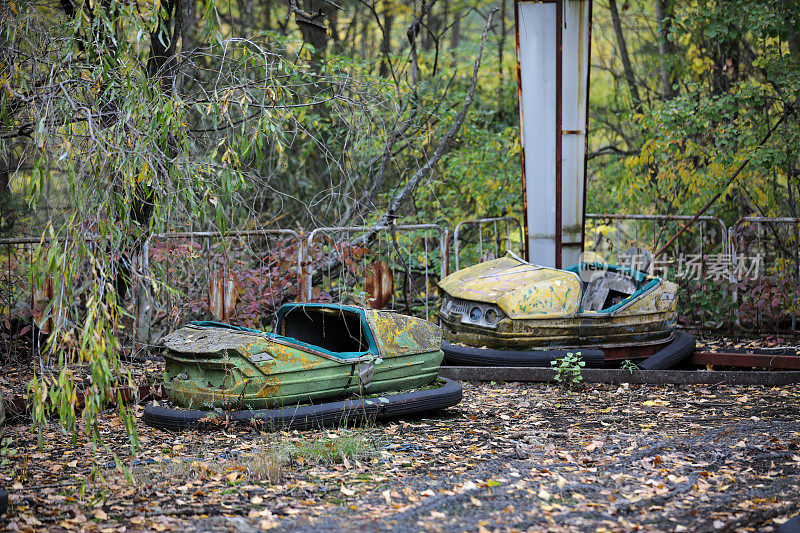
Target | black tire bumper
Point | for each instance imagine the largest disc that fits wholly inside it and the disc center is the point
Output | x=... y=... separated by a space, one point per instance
x=681 y=347
x=308 y=416
x=457 y=355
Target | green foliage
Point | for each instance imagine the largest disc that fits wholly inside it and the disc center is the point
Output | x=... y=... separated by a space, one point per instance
x=127 y=124
x=569 y=370
x=8 y=452
x=335 y=447
x=706 y=303
x=629 y=365
x=736 y=71
x=482 y=175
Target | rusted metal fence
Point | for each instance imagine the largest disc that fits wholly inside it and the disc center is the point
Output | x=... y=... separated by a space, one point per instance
x=37 y=302
x=765 y=269
x=243 y=275
x=15 y=257
x=394 y=267
x=704 y=246
x=482 y=239
x=16 y=295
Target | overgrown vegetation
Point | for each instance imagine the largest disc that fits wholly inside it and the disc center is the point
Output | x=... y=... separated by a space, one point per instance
x=119 y=121
x=569 y=370
x=266 y=460
x=160 y=116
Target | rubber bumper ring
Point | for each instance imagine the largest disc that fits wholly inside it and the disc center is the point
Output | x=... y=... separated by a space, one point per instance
x=681 y=347
x=308 y=416
x=457 y=355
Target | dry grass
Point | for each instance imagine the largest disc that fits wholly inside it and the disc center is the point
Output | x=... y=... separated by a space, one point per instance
x=263 y=461
x=337 y=446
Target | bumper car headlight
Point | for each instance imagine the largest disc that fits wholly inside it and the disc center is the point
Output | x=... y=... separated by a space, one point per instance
x=475 y=314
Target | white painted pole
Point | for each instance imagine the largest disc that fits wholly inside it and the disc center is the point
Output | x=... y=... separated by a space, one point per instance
x=553 y=39
x=574 y=100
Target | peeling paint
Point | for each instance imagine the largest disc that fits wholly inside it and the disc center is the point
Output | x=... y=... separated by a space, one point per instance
x=212 y=367
x=542 y=308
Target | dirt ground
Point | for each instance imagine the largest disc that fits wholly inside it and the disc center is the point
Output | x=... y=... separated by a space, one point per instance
x=510 y=457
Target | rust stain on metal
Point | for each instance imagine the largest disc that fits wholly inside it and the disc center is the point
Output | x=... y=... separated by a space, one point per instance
x=42 y=297
x=223 y=291
x=747 y=360
x=216 y=367
x=559 y=160
x=542 y=307
x=402 y=335
x=379 y=284
x=522 y=151
x=521 y=290
x=586 y=129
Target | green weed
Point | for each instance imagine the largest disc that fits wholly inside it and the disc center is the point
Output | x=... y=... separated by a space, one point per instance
x=568 y=370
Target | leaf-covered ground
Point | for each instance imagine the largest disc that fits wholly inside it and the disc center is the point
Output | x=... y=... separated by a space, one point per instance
x=509 y=457
x=779 y=344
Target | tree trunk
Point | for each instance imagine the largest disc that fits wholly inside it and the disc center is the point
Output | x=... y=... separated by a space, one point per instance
x=501 y=43
x=414 y=29
x=313 y=32
x=455 y=33
x=186 y=19
x=725 y=54
x=430 y=35
x=626 y=60
x=794 y=43
x=267 y=15
x=364 y=36
x=144 y=299
x=7 y=215
x=333 y=23
x=666 y=49
x=386 y=39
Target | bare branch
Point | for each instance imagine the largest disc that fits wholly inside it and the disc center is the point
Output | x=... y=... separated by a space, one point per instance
x=412 y=183
x=608 y=150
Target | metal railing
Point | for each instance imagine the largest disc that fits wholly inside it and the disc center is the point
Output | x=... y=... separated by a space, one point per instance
x=36 y=303
x=264 y=266
x=349 y=261
x=649 y=232
x=765 y=248
x=14 y=272
x=16 y=295
x=497 y=244
x=276 y=265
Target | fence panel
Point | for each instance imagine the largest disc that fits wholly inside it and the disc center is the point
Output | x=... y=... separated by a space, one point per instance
x=33 y=304
x=380 y=266
x=15 y=297
x=625 y=239
x=244 y=276
x=483 y=239
x=766 y=268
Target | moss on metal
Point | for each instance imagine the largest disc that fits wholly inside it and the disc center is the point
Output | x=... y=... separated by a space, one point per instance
x=211 y=367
